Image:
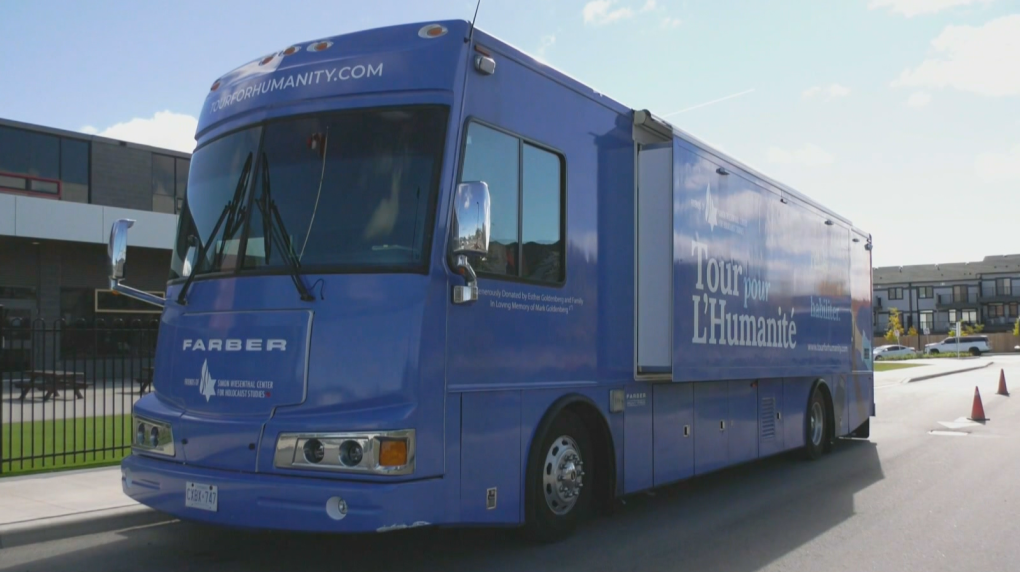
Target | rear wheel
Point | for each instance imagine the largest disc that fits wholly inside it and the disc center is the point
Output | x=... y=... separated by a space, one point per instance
x=559 y=475
x=975 y=352
x=816 y=425
x=933 y=352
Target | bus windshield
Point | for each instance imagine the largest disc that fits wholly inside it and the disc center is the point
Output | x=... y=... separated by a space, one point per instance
x=337 y=192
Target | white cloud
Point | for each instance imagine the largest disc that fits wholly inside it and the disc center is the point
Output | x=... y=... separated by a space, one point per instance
x=831 y=91
x=911 y=8
x=999 y=167
x=598 y=12
x=668 y=22
x=649 y=6
x=164 y=129
x=545 y=44
x=981 y=60
x=919 y=99
x=89 y=130
x=809 y=155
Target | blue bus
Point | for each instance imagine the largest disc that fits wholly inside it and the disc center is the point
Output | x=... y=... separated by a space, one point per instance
x=422 y=279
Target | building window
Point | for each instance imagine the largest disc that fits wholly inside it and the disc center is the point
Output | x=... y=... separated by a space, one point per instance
x=959 y=294
x=995 y=311
x=526 y=187
x=29 y=162
x=1003 y=287
x=1013 y=310
x=896 y=293
x=169 y=183
x=969 y=316
x=925 y=292
x=927 y=321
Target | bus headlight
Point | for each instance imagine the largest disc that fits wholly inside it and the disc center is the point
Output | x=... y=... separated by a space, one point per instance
x=377 y=452
x=153 y=436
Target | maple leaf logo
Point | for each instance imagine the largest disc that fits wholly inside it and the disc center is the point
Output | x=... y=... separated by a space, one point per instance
x=711 y=212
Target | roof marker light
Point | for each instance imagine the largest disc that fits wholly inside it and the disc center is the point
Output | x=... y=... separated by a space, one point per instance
x=215 y=86
x=267 y=59
x=292 y=50
x=432 y=31
x=319 y=46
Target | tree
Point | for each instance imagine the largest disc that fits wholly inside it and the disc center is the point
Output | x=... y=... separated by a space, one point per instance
x=912 y=331
x=971 y=329
x=1016 y=327
x=895 y=329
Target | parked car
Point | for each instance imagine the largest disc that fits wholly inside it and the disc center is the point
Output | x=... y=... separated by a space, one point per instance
x=974 y=345
x=882 y=352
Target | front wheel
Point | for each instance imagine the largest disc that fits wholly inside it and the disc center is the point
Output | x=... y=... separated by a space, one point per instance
x=816 y=425
x=975 y=352
x=559 y=475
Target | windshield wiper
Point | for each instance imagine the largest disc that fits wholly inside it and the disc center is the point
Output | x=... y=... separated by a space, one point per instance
x=232 y=208
x=274 y=229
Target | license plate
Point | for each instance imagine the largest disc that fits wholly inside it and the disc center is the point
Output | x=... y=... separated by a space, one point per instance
x=203 y=497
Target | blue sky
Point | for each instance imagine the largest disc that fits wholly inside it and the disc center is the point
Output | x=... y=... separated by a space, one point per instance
x=902 y=115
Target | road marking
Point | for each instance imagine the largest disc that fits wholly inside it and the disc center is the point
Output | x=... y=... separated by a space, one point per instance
x=948 y=433
x=959 y=423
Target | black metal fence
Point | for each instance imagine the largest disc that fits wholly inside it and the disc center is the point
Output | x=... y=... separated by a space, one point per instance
x=68 y=390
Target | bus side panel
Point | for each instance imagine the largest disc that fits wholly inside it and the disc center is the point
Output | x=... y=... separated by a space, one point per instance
x=795 y=395
x=490 y=457
x=674 y=451
x=840 y=404
x=638 y=440
x=711 y=409
x=770 y=417
x=453 y=456
x=742 y=423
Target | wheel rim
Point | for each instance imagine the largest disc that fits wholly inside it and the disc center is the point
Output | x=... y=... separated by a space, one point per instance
x=817 y=423
x=562 y=475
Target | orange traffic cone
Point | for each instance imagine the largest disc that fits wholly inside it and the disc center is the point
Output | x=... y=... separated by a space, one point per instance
x=977 y=411
x=1002 y=384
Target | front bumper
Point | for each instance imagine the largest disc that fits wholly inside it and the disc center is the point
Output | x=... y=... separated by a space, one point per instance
x=279 y=502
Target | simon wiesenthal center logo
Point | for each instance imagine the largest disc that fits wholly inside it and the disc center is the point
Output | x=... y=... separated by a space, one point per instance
x=713 y=216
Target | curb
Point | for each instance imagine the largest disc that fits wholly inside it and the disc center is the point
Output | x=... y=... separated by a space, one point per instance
x=949 y=372
x=81 y=524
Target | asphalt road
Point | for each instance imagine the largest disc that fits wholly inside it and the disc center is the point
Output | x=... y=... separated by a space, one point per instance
x=904 y=500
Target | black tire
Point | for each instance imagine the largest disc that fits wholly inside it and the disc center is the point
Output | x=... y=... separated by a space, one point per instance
x=975 y=352
x=933 y=352
x=816 y=425
x=548 y=518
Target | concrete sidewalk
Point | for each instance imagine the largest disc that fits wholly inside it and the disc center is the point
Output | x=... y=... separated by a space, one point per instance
x=51 y=506
x=929 y=368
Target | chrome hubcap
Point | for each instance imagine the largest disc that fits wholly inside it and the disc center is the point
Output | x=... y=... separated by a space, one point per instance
x=562 y=475
x=817 y=423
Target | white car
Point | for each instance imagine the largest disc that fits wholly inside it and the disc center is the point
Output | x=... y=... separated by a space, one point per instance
x=893 y=351
x=974 y=345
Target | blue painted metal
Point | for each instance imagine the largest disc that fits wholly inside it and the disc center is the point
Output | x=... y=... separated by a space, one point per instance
x=674 y=451
x=770 y=417
x=490 y=456
x=638 y=438
x=761 y=285
x=742 y=424
x=711 y=415
x=391 y=351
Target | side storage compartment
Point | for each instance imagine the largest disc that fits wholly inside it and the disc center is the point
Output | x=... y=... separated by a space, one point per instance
x=674 y=432
x=491 y=457
x=770 y=417
x=711 y=420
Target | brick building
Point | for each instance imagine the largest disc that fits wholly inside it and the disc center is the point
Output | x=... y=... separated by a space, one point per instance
x=60 y=191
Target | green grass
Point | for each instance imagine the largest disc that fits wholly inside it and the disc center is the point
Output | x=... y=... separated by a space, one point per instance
x=59 y=440
x=890 y=366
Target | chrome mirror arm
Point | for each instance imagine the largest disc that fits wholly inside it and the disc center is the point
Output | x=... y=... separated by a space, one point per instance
x=468 y=292
x=117 y=256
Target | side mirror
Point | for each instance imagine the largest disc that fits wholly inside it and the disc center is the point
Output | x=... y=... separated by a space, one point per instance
x=116 y=252
x=469 y=232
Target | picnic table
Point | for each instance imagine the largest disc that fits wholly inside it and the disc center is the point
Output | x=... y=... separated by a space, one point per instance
x=52 y=381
